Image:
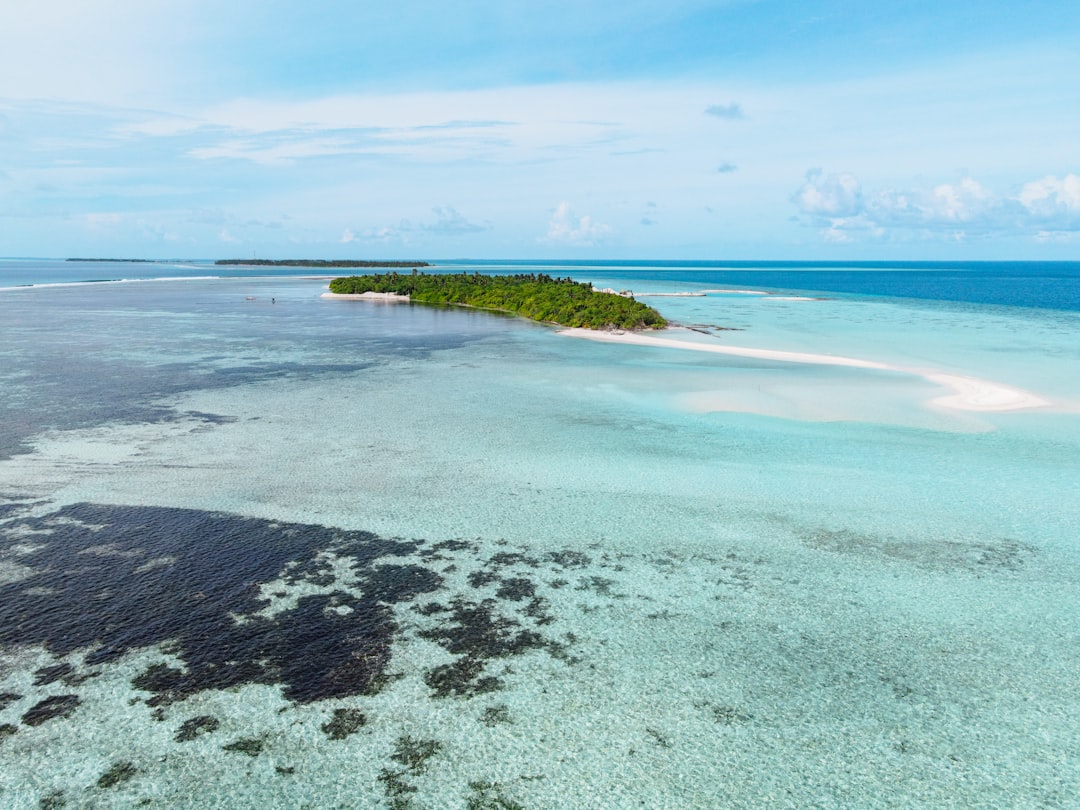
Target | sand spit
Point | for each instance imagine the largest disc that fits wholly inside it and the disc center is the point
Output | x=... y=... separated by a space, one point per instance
x=973 y=394
x=969 y=393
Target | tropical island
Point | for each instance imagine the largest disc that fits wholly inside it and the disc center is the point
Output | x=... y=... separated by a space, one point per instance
x=319 y=263
x=537 y=296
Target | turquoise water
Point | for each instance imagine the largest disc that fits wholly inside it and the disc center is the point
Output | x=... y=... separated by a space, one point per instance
x=263 y=549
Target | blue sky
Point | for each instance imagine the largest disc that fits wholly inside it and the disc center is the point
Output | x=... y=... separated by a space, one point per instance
x=587 y=129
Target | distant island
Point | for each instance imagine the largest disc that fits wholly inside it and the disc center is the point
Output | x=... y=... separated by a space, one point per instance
x=537 y=296
x=137 y=261
x=319 y=263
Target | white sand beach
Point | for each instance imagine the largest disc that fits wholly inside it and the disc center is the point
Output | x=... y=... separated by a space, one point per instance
x=390 y=298
x=969 y=393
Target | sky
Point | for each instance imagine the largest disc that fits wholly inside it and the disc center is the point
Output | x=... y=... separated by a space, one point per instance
x=587 y=129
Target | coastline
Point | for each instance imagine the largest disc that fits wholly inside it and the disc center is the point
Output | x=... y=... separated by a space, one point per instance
x=386 y=298
x=969 y=393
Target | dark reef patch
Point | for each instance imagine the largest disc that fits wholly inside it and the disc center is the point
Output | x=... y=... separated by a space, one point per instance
x=252 y=746
x=193 y=727
x=50 y=708
x=343 y=723
x=119 y=772
x=47 y=675
x=476 y=633
x=413 y=754
x=91 y=588
x=463 y=678
x=489 y=796
x=600 y=586
x=516 y=589
x=496 y=715
x=52 y=800
x=7 y=698
x=568 y=558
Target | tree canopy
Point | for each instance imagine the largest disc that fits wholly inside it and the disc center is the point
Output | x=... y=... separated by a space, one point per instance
x=536 y=296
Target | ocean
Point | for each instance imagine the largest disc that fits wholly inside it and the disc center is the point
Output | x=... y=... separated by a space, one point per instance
x=263 y=549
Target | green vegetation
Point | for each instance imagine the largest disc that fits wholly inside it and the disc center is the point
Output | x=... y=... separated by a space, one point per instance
x=540 y=297
x=319 y=263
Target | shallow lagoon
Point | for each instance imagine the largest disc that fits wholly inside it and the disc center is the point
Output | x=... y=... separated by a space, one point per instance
x=345 y=554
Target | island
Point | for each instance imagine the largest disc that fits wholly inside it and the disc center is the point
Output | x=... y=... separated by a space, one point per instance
x=540 y=297
x=319 y=263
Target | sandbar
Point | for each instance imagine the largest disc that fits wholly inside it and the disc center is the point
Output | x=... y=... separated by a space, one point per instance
x=969 y=393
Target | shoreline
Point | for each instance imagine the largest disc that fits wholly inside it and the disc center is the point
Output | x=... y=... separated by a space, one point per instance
x=386 y=298
x=969 y=393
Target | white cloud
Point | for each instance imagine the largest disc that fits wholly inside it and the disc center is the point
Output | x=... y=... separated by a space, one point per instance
x=566 y=228
x=833 y=195
x=1052 y=198
x=347 y=236
x=535 y=123
x=966 y=201
x=281 y=154
x=954 y=211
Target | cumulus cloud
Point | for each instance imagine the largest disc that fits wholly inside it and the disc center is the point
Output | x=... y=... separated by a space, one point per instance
x=732 y=111
x=1053 y=201
x=966 y=201
x=838 y=205
x=832 y=195
x=566 y=228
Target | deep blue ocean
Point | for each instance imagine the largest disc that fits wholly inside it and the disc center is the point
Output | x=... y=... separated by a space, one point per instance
x=1050 y=285
x=1045 y=285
